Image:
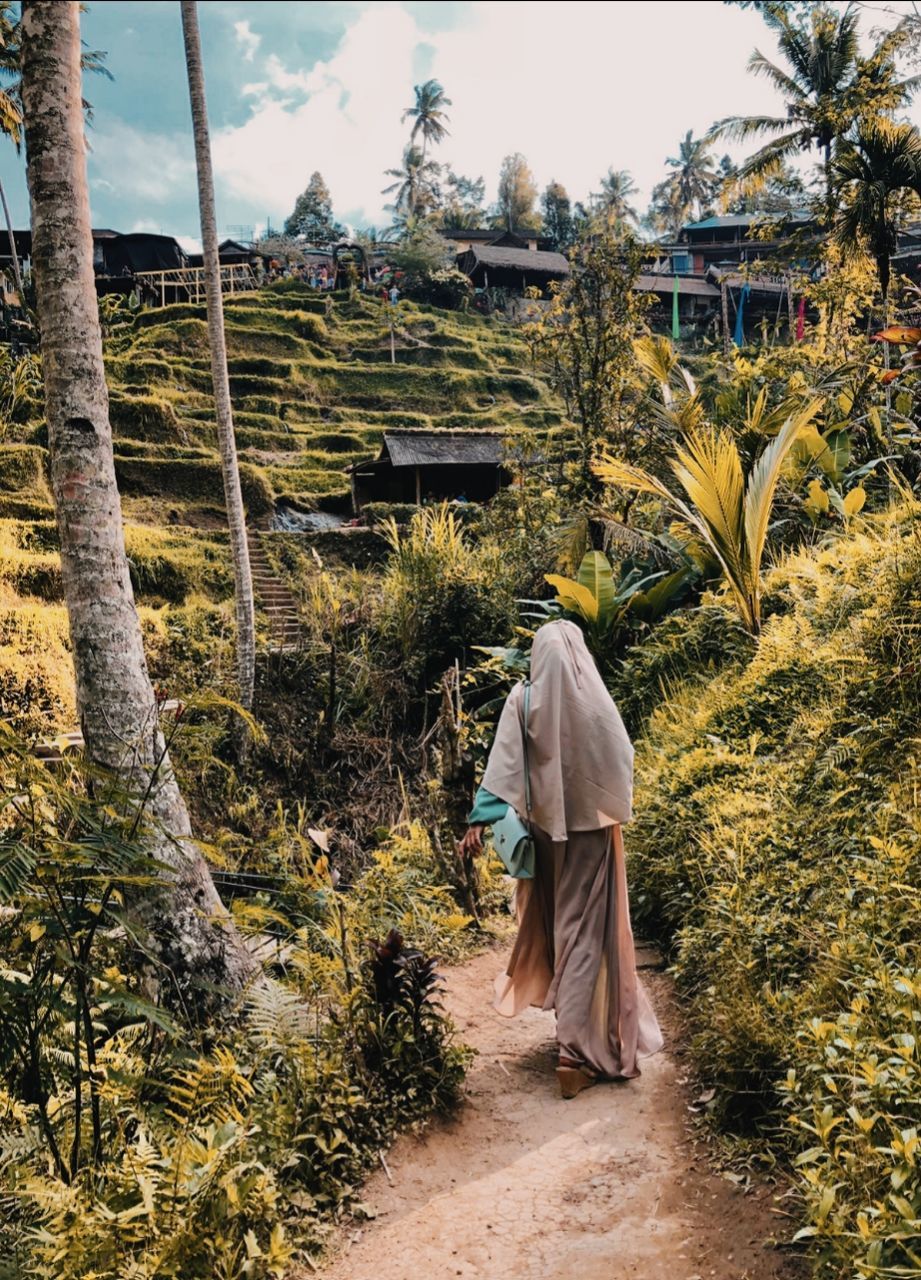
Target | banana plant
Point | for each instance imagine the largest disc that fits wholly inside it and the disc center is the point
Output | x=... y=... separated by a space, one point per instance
x=603 y=604
x=727 y=510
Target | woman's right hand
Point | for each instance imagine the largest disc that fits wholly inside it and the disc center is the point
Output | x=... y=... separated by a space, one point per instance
x=472 y=842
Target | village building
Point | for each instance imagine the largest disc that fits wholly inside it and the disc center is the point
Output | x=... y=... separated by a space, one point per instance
x=414 y=466
x=515 y=270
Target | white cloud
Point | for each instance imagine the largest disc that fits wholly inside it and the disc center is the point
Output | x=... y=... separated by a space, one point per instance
x=575 y=88
x=149 y=167
x=348 y=126
x=247 y=39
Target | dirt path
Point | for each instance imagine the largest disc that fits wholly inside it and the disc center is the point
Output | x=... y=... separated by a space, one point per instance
x=524 y=1186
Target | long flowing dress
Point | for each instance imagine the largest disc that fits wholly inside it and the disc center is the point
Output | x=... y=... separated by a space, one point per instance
x=574 y=951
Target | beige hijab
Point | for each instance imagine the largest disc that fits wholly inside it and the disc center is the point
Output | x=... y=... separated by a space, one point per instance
x=580 y=757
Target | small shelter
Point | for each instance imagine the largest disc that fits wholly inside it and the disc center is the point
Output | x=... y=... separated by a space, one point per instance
x=504 y=267
x=415 y=465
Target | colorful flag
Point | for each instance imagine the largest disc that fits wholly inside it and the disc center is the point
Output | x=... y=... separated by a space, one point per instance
x=676 y=327
x=738 y=336
x=801 y=320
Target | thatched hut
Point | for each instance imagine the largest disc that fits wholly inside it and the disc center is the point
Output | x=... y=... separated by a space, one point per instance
x=414 y=465
x=504 y=267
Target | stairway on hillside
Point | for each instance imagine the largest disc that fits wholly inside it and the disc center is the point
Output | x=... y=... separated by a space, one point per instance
x=275 y=600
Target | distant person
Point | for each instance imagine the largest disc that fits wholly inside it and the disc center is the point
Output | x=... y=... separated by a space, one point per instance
x=562 y=761
x=394 y=295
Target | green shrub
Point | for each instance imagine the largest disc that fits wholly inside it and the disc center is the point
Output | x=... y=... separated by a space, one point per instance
x=441 y=593
x=381 y=513
x=777 y=852
x=171 y=1158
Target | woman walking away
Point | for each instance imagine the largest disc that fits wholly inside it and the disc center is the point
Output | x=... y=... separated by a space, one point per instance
x=574 y=951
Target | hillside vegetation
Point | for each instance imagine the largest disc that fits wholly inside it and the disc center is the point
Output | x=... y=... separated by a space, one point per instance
x=776 y=852
x=313 y=390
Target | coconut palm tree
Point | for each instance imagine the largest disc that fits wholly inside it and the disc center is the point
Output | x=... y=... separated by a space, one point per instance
x=827 y=86
x=223 y=410
x=187 y=928
x=727 y=510
x=874 y=172
x=415 y=185
x=428 y=114
x=696 y=173
x=613 y=200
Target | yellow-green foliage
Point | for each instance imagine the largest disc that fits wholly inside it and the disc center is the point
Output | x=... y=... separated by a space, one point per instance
x=36 y=674
x=777 y=849
x=22 y=470
x=175 y=564
x=233 y=1161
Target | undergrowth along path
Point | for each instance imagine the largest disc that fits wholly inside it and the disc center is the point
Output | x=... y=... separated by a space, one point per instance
x=522 y=1185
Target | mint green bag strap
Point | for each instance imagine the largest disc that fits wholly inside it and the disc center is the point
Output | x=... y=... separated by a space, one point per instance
x=524 y=736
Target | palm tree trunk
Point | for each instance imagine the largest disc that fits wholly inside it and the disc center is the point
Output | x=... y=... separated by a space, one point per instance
x=187 y=927
x=15 y=256
x=223 y=410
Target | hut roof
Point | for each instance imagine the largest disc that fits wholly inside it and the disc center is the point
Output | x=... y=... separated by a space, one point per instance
x=435 y=448
x=413 y=448
x=548 y=264
x=686 y=285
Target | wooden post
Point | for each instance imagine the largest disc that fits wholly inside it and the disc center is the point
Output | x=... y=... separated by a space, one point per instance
x=791 y=334
x=418 y=486
x=393 y=350
x=724 y=297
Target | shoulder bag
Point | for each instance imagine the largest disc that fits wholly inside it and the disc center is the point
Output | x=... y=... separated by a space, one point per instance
x=511 y=837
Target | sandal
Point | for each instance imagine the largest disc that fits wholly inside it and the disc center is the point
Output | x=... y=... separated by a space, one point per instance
x=573 y=1079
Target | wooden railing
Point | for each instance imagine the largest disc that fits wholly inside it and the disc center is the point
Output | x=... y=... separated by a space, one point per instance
x=187 y=284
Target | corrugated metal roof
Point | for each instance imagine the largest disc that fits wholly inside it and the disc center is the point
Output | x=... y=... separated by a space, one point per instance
x=746 y=219
x=435 y=448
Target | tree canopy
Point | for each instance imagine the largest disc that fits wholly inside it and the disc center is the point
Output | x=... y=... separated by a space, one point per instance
x=517 y=194
x=312 y=216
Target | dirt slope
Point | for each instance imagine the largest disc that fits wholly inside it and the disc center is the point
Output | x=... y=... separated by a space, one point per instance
x=524 y=1186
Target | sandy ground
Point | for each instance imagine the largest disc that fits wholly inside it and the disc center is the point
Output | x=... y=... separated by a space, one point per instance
x=524 y=1186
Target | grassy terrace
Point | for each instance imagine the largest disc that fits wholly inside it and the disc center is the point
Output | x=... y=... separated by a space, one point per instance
x=313 y=390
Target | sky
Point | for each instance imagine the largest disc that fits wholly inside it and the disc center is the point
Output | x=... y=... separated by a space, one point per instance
x=293 y=87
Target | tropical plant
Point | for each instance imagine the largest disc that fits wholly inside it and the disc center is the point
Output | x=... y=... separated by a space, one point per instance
x=901 y=335
x=414 y=188
x=603 y=604
x=874 y=172
x=428 y=114
x=729 y=512
x=612 y=202
x=583 y=342
x=463 y=199
x=695 y=173
x=827 y=88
